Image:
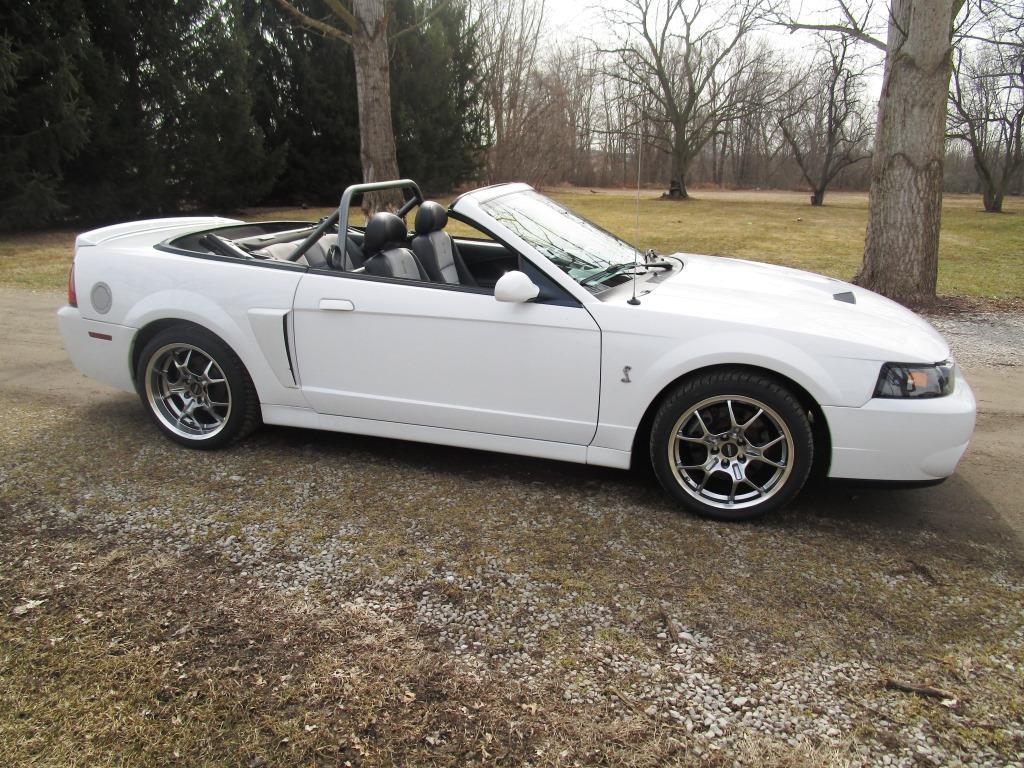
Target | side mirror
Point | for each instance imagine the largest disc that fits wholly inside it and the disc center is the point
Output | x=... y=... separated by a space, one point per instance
x=516 y=287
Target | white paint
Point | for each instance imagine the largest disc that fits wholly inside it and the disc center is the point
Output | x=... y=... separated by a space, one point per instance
x=434 y=356
x=515 y=287
x=458 y=367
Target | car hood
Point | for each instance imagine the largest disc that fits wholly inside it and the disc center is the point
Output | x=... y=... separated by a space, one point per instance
x=791 y=300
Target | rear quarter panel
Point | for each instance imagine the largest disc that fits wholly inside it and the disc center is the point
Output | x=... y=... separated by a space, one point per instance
x=148 y=285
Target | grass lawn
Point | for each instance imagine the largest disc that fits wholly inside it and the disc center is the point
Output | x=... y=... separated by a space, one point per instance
x=981 y=255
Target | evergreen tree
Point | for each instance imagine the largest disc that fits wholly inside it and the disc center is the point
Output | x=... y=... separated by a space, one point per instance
x=116 y=109
x=216 y=151
x=120 y=172
x=303 y=86
x=44 y=113
x=439 y=124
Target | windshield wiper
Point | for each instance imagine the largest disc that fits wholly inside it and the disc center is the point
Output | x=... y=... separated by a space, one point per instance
x=611 y=270
x=616 y=269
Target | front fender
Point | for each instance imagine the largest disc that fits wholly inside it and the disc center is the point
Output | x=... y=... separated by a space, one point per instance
x=827 y=387
x=830 y=381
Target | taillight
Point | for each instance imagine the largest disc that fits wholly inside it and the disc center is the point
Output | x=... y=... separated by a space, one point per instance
x=72 y=296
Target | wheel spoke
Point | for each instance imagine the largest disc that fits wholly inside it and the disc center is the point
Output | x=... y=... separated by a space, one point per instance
x=206 y=375
x=216 y=417
x=763 y=460
x=702 y=465
x=732 y=415
x=770 y=443
x=169 y=398
x=703 y=426
x=755 y=417
x=182 y=365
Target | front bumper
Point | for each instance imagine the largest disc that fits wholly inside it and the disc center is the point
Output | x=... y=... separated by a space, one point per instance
x=902 y=440
x=101 y=351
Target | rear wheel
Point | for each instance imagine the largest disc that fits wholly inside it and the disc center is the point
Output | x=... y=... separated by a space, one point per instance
x=732 y=445
x=196 y=389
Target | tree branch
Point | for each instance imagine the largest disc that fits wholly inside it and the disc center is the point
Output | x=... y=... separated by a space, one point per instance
x=842 y=29
x=440 y=6
x=315 y=24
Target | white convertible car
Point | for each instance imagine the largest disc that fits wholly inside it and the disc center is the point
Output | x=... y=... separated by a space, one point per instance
x=541 y=335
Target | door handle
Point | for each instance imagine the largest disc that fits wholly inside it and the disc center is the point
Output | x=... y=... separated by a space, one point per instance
x=337 y=305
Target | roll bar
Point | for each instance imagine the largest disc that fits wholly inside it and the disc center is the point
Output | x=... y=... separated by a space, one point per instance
x=340 y=216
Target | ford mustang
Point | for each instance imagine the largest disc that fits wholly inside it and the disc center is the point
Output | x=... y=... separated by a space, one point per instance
x=537 y=333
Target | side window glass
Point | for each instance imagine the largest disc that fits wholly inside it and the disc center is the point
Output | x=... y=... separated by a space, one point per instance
x=550 y=292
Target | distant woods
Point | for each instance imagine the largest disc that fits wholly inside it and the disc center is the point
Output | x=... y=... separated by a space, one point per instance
x=113 y=109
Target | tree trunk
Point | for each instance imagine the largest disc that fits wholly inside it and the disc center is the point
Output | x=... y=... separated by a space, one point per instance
x=993 y=200
x=373 y=89
x=818 y=197
x=677 y=179
x=902 y=245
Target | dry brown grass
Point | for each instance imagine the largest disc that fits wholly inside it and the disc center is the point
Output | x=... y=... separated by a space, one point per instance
x=145 y=661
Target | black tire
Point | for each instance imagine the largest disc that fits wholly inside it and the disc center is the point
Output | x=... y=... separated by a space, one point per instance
x=208 y=425
x=773 y=453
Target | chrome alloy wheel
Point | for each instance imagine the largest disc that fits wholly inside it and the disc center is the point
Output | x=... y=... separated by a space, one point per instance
x=188 y=391
x=731 y=452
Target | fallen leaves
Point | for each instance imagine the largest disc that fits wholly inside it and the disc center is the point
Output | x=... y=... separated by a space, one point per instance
x=28 y=605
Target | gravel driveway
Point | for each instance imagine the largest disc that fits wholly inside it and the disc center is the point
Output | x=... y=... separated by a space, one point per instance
x=578 y=617
x=984 y=339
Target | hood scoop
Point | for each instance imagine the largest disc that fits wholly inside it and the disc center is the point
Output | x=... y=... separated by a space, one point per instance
x=846 y=297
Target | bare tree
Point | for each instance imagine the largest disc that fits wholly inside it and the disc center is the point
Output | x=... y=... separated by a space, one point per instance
x=901 y=249
x=823 y=120
x=571 y=77
x=363 y=25
x=518 y=102
x=987 y=107
x=756 y=147
x=689 y=63
x=620 y=124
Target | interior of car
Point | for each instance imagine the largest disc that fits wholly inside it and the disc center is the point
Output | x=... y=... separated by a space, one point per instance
x=384 y=248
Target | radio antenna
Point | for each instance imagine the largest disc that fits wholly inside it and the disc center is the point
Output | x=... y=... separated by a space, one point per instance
x=634 y=301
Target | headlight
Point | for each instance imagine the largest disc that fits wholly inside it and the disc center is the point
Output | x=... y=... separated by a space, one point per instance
x=912 y=380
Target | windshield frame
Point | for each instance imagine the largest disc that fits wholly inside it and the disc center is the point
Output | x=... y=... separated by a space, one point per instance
x=469 y=206
x=583 y=251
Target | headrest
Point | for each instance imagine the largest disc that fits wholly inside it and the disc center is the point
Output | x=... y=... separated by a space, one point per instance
x=383 y=229
x=431 y=217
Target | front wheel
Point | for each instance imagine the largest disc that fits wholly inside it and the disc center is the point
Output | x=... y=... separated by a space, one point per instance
x=732 y=445
x=196 y=389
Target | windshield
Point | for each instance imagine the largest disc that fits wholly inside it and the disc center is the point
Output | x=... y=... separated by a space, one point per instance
x=578 y=247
